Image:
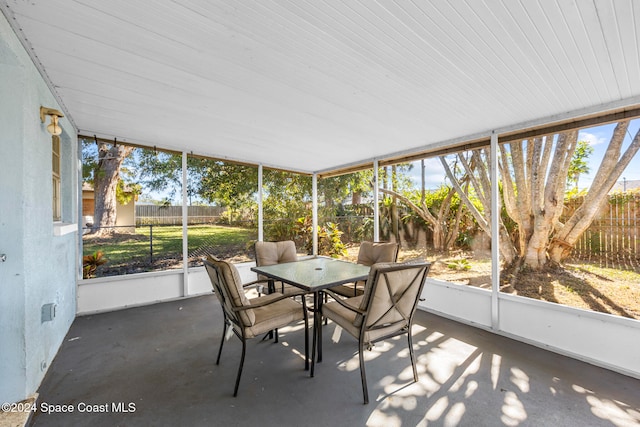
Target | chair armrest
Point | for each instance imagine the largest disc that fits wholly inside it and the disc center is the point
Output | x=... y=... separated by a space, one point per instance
x=262 y=303
x=254 y=283
x=342 y=302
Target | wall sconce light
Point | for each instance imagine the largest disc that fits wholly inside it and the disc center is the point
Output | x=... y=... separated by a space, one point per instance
x=53 y=128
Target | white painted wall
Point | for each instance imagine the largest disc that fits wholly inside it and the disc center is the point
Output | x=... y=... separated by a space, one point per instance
x=114 y=293
x=603 y=339
x=41 y=256
x=464 y=303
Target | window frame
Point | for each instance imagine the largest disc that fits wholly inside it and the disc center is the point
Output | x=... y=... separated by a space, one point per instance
x=56 y=196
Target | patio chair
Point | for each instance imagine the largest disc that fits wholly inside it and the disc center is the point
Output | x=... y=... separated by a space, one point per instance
x=385 y=310
x=270 y=253
x=249 y=318
x=369 y=253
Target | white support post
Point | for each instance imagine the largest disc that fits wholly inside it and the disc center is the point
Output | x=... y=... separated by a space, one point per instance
x=79 y=242
x=314 y=213
x=495 y=234
x=260 y=212
x=376 y=208
x=185 y=228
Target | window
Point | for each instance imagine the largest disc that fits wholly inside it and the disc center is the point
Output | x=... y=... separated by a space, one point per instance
x=55 y=159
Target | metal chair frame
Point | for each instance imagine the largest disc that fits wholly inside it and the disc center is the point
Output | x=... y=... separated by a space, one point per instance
x=231 y=319
x=418 y=280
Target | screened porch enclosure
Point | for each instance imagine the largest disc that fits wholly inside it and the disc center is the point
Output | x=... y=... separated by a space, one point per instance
x=309 y=93
x=481 y=304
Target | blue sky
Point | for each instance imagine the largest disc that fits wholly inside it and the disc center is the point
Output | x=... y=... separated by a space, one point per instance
x=599 y=138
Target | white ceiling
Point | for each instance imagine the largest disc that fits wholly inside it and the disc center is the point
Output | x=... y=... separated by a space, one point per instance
x=312 y=85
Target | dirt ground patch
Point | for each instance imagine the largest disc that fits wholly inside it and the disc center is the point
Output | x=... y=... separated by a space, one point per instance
x=579 y=284
x=604 y=290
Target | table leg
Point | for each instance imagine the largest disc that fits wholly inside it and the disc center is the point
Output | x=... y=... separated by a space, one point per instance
x=271 y=288
x=315 y=334
x=317 y=331
x=319 y=308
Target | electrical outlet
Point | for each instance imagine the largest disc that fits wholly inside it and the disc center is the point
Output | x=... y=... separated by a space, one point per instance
x=48 y=312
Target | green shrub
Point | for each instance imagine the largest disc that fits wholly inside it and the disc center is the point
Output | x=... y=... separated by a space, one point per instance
x=459 y=264
x=329 y=238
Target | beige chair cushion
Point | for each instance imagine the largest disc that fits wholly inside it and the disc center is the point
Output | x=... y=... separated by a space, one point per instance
x=256 y=321
x=382 y=317
x=394 y=283
x=274 y=315
x=347 y=319
x=374 y=252
x=270 y=253
x=349 y=290
x=369 y=253
x=236 y=292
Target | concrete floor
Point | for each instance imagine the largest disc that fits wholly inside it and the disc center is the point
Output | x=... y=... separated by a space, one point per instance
x=155 y=366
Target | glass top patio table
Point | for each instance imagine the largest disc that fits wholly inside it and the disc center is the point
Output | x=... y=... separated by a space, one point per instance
x=315 y=274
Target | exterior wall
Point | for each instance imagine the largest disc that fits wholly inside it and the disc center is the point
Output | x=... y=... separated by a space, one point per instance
x=125 y=214
x=41 y=266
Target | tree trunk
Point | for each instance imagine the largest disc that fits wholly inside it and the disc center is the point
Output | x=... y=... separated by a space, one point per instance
x=356 y=198
x=533 y=190
x=394 y=206
x=107 y=174
x=481 y=185
x=608 y=173
x=452 y=234
x=446 y=232
x=421 y=212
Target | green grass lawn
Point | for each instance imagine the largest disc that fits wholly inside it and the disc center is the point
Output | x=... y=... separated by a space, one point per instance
x=127 y=248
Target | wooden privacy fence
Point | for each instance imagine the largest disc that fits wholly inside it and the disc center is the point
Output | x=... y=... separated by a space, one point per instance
x=615 y=231
x=172 y=215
